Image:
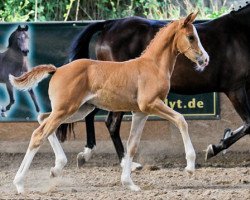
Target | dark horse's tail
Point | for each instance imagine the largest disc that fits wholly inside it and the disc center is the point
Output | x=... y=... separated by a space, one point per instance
x=80 y=46
x=80 y=49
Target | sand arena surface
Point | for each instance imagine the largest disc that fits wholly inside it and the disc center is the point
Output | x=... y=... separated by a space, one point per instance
x=225 y=177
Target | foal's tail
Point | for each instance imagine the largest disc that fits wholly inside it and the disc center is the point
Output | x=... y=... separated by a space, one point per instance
x=33 y=77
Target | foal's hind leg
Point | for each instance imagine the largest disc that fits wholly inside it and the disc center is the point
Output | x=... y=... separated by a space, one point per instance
x=46 y=128
x=138 y=122
x=60 y=157
x=160 y=109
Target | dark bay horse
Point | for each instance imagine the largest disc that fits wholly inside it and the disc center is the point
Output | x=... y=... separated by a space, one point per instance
x=226 y=39
x=143 y=83
x=14 y=61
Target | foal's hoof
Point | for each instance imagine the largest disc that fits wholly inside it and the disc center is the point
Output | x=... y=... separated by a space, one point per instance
x=19 y=186
x=131 y=185
x=134 y=166
x=20 y=190
x=189 y=171
x=54 y=172
x=80 y=160
x=134 y=188
x=209 y=152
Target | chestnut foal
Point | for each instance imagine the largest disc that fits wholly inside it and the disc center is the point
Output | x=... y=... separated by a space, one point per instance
x=139 y=85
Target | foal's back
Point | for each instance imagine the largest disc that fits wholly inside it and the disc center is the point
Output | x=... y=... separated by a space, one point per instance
x=103 y=83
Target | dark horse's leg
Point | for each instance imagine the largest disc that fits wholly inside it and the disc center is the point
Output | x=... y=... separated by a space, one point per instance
x=83 y=157
x=12 y=101
x=239 y=100
x=113 y=123
x=32 y=95
x=90 y=129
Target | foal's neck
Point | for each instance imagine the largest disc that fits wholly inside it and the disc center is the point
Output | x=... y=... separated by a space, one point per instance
x=162 y=49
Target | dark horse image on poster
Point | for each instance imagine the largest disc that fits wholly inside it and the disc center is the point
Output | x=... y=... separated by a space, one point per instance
x=226 y=40
x=14 y=61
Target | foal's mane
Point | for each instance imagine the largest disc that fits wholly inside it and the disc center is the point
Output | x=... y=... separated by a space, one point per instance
x=162 y=29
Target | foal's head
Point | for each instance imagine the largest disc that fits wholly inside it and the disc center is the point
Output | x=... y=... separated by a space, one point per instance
x=188 y=42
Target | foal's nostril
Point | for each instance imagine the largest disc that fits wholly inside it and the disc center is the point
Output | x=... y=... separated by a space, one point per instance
x=201 y=62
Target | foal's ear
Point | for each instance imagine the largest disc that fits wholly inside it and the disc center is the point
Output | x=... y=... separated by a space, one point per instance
x=190 y=18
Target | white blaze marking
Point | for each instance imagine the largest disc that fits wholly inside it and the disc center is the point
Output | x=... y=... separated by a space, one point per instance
x=205 y=54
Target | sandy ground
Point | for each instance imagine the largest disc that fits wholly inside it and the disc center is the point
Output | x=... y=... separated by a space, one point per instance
x=225 y=177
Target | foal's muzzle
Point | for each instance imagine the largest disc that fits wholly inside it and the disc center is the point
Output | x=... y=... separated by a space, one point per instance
x=202 y=61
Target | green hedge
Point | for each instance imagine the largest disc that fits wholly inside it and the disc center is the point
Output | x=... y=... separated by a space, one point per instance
x=72 y=10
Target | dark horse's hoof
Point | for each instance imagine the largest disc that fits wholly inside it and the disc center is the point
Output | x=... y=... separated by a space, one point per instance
x=209 y=152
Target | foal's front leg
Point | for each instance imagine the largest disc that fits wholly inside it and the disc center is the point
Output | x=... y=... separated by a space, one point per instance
x=113 y=123
x=138 y=122
x=160 y=109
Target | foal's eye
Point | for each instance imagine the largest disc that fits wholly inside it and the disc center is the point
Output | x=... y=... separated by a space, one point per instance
x=190 y=38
